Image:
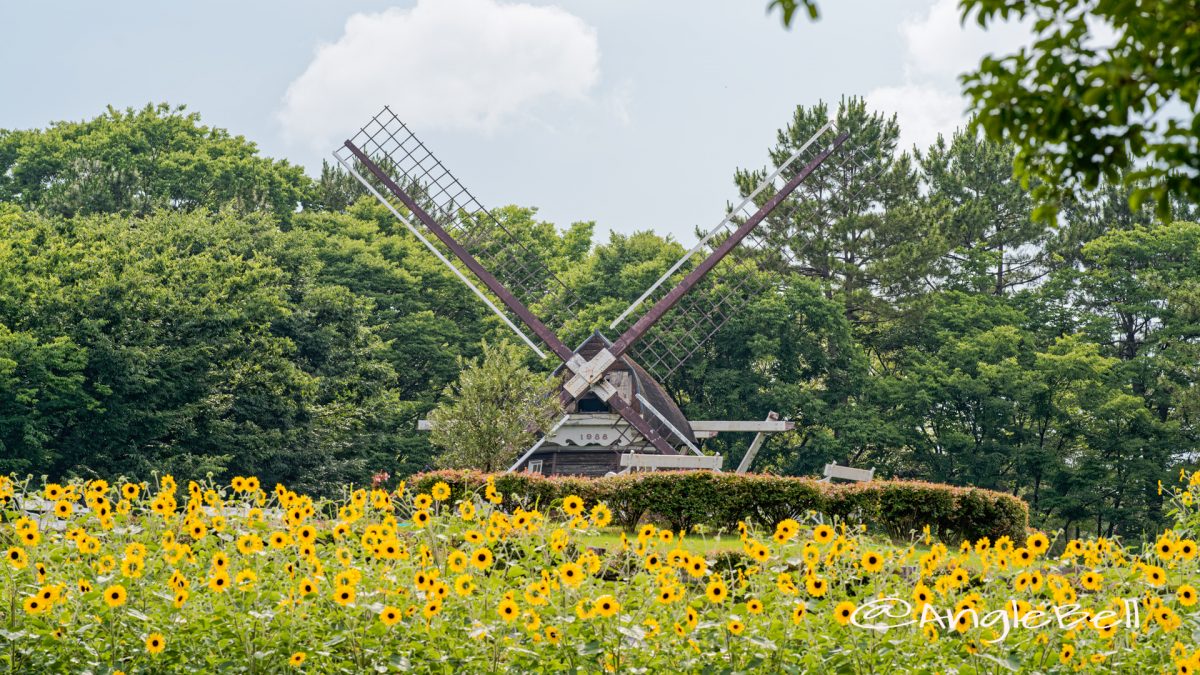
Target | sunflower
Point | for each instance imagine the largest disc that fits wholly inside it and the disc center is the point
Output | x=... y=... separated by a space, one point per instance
x=481 y=559
x=507 y=610
x=754 y=606
x=1155 y=576
x=815 y=586
x=466 y=511
x=1037 y=543
x=389 y=616
x=155 y=643
x=843 y=612
x=696 y=566
x=716 y=592
x=297 y=659
x=130 y=491
x=132 y=567
x=440 y=491
x=35 y=605
x=601 y=515
x=799 y=611
x=736 y=627
x=1066 y=653
x=422 y=501
x=822 y=534
x=457 y=561
x=114 y=596
x=218 y=582
x=921 y=595
x=1091 y=581
x=872 y=562
x=343 y=595
x=432 y=608
x=464 y=585
x=17 y=558
x=573 y=505
x=1186 y=594
x=606 y=606
x=245 y=580
x=307 y=587
x=1164 y=549
x=63 y=508
x=553 y=635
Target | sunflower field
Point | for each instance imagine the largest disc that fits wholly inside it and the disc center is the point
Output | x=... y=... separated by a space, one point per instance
x=134 y=577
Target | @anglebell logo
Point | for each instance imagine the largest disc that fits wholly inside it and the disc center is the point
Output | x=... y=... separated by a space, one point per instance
x=884 y=614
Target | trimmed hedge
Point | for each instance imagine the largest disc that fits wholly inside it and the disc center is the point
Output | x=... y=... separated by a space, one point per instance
x=686 y=498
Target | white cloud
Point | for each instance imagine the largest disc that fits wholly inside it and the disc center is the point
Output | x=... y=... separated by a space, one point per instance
x=922 y=110
x=938 y=47
x=459 y=64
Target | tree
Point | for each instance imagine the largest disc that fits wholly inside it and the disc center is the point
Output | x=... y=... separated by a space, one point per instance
x=334 y=190
x=1082 y=110
x=845 y=227
x=495 y=410
x=982 y=216
x=135 y=161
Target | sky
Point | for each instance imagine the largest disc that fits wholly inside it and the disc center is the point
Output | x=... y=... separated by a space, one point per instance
x=629 y=113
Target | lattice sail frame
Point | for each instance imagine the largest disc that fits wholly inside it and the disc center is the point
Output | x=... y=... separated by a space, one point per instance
x=386 y=157
x=396 y=149
x=753 y=269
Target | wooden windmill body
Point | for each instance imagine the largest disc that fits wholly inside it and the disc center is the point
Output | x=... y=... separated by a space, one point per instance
x=617 y=416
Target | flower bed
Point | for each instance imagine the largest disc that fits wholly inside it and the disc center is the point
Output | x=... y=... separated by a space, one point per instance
x=157 y=578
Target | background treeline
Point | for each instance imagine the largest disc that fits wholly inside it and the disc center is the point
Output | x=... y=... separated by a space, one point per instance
x=164 y=305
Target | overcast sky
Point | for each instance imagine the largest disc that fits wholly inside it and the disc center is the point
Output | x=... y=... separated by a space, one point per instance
x=631 y=113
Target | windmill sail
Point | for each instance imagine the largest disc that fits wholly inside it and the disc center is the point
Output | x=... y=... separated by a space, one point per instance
x=393 y=147
x=755 y=267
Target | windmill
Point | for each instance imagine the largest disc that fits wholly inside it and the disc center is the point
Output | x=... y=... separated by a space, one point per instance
x=616 y=413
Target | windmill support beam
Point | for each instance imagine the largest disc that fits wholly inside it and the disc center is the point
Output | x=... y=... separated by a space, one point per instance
x=761 y=436
x=545 y=334
x=639 y=328
x=667 y=423
x=540 y=329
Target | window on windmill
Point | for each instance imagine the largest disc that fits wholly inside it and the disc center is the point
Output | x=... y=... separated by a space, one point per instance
x=535 y=466
x=591 y=403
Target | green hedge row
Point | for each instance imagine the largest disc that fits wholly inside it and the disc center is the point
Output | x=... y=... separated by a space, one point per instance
x=683 y=499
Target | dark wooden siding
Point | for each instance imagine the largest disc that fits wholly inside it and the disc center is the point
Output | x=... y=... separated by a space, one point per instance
x=571 y=461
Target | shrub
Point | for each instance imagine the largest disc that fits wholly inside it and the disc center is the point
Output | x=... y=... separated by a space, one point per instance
x=683 y=499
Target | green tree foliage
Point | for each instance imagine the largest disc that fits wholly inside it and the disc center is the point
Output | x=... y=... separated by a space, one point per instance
x=991 y=244
x=1085 y=109
x=134 y=161
x=852 y=235
x=495 y=410
x=930 y=327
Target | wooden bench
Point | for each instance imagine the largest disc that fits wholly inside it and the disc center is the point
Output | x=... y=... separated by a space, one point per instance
x=847 y=473
x=633 y=461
